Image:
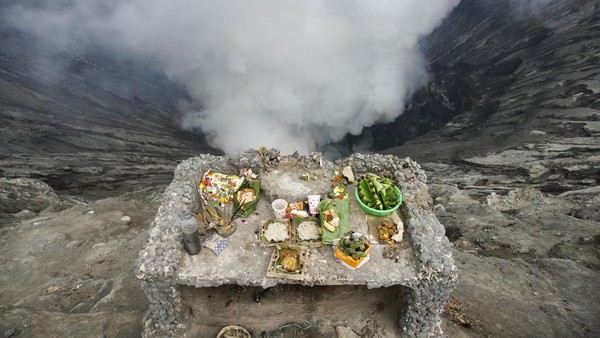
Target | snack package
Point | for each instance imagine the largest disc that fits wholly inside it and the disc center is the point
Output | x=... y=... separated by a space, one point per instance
x=216 y=243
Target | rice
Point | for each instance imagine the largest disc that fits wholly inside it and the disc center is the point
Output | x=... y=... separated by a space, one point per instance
x=276 y=232
x=308 y=231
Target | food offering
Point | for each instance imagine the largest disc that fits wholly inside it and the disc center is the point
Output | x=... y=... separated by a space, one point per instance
x=247 y=197
x=352 y=250
x=297 y=209
x=334 y=219
x=378 y=195
x=386 y=231
x=334 y=211
x=233 y=331
x=331 y=220
x=275 y=231
x=307 y=231
x=288 y=262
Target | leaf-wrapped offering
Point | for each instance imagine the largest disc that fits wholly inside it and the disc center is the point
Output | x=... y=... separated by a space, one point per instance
x=288 y=262
x=307 y=231
x=247 y=196
x=378 y=195
x=275 y=231
x=352 y=250
x=334 y=218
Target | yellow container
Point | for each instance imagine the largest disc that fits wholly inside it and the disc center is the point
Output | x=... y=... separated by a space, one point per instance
x=348 y=259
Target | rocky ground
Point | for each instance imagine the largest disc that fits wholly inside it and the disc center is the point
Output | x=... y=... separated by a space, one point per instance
x=529 y=264
x=528 y=261
x=515 y=173
x=67 y=265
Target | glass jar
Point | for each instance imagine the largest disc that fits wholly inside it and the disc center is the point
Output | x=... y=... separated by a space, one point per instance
x=226 y=229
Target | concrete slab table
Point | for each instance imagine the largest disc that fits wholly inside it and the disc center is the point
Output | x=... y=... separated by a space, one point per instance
x=424 y=268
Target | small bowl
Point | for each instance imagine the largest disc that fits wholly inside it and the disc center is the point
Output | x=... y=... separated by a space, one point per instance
x=377 y=212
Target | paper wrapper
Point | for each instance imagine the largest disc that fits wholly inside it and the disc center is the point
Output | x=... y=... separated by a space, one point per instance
x=216 y=243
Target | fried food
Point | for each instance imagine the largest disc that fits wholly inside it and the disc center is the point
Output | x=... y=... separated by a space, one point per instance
x=246 y=196
x=289 y=263
x=386 y=230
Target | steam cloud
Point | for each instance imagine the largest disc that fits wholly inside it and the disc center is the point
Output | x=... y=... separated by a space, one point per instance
x=289 y=74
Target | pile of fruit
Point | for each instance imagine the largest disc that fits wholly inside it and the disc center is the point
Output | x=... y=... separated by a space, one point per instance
x=378 y=192
x=354 y=246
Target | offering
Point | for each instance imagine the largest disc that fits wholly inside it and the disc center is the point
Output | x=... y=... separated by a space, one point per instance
x=288 y=262
x=233 y=331
x=352 y=250
x=216 y=194
x=386 y=231
x=246 y=198
x=296 y=209
x=217 y=189
x=275 y=231
x=246 y=195
x=334 y=218
x=307 y=231
x=378 y=195
x=331 y=220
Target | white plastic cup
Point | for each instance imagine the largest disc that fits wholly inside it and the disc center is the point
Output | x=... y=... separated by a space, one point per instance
x=313 y=204
x=279 y=207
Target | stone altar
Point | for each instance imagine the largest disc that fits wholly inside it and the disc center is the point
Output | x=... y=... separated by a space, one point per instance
x=424 y=270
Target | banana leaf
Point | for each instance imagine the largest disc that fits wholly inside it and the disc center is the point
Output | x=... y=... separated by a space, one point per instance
x=247 y=208
x=342 y=209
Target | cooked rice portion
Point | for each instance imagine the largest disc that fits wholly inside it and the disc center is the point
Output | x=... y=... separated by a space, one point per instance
x=308 y=231
x=276 y=232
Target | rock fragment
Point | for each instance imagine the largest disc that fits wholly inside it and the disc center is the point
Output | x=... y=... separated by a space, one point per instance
x=345 y=332
x=11 y=333
x=25 y=214
x=348 y=174
x=73 y=244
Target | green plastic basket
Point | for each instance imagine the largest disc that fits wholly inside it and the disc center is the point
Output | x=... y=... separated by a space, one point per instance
x=377 y=212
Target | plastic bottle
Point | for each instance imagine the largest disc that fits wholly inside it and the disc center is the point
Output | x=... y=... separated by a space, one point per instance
x=191 y=240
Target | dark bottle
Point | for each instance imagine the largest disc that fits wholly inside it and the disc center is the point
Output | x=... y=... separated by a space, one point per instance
x=191 y=240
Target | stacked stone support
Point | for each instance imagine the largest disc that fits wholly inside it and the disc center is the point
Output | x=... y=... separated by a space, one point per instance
x=424 y=295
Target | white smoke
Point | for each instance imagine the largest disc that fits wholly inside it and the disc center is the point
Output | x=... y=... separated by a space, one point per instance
x=289 y=74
